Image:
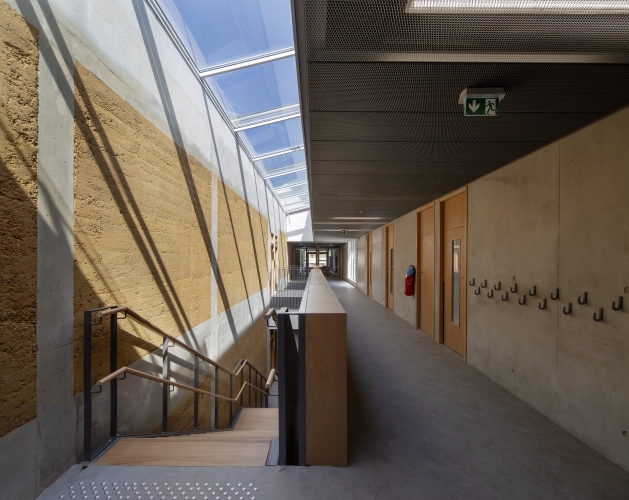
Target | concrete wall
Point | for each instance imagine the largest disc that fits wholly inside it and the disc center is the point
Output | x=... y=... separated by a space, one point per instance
x=554 y=219
x=378 y=265
x=404 y=255
x=361 y=263
x=184 y=238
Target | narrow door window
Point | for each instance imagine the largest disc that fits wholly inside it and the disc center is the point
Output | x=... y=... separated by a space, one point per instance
x=456 y=271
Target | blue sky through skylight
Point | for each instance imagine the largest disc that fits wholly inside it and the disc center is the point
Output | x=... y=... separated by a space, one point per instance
x=223 y=32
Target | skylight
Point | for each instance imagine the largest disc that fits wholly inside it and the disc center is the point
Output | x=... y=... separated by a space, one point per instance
x=245 y=52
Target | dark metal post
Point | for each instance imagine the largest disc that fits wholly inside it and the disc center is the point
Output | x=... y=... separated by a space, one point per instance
x=87 y=386
x=215 y=406
x=242 y=381
x=196 y=394
x=249 y=387
x=164 y=386
x=231 y=395
x=113 y=366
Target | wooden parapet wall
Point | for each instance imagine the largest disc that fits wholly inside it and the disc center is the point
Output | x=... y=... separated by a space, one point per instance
x=326 y=374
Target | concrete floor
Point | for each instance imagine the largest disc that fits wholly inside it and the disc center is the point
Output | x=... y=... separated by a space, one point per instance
x=423 y=425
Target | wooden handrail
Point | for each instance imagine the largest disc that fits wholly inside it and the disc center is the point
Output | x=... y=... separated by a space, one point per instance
x=174 y=340
x=137 y=373
x=270 y=379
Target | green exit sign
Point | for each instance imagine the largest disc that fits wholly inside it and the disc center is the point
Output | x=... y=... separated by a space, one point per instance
x=481 y=106
x=344 y=231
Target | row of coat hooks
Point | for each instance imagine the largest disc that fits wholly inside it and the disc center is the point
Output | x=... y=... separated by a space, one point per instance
x=581 y=299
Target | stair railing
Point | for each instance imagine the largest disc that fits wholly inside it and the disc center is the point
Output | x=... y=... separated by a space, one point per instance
x=167 y=385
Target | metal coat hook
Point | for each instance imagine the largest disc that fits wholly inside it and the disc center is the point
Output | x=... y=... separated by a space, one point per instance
x=619 y=304
x=542 y=305
x=514 y=288
x=477 y=292
x=585 y=299
x=505 y=297
x=533 y=292
x=522 y=301
x=556 y=296
x=484 y=284
x=497 y=287
x=490 y=294
x=473 y=281
x=569 y=311
x=600 y=315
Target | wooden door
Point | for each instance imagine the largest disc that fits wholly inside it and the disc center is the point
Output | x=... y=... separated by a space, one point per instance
x=368 y=262
x=454 y=267
x=390 y=267
x=426 y=270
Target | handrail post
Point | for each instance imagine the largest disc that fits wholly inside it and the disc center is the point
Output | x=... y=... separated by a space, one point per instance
x=196 y=394
x=249 y=387
x=165 y=361
x=215 y=402
x=231 y=395
x=87 y=386
x=242 y=381
x=113 y=366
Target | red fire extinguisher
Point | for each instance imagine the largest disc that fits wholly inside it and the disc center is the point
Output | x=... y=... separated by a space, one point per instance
x=409 y=281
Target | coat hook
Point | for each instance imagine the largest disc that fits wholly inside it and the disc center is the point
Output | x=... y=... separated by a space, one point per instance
x=497 y=287
x=556 y=296
x=484 y=284
x=473 y=281
x=533 y=292
x=542 y=305
x=477 y=292
x=505 y=297
x=585 y=299
x=514 y=288
x=569 y=310
x=600 y=315
x=490 y=294
x=522 y=301
x=619 y=304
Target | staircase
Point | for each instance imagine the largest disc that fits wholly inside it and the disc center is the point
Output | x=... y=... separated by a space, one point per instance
x=247 y=445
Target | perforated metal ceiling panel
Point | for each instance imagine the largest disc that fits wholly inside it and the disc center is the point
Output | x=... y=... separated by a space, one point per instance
x=385 y=132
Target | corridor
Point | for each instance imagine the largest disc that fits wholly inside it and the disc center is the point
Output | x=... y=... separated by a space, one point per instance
x=422 y=425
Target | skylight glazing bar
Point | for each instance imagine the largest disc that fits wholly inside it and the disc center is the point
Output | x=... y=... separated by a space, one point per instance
x=278 y=153
x=284 y=171
x=547 y=7
x=266 y=117
x=289 y=186
x=247 y=62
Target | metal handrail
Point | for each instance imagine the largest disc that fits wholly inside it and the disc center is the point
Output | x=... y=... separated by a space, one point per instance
x=137 y=373
x=128 y=311
x=112 y=312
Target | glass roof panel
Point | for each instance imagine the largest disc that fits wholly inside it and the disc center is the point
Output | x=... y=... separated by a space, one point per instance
x=288 y=179
x=274 y=137
x=222 y=31
x=297 y=207
x=258 y=88
x=285 y=192
x=285 y=160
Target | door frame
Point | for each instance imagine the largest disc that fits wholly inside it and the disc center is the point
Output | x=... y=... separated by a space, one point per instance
x=389 y=265
x=418 y=291
x=368 y=262
x=441 y=288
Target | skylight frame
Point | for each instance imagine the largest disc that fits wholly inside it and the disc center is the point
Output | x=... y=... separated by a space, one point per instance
x=187 y=50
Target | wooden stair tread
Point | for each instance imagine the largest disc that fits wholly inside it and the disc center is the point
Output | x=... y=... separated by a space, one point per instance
x=245 y=446
x=165 y=452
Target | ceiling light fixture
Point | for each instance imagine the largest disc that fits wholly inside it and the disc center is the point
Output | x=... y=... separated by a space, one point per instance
x=549 y=7
x=358 y=218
